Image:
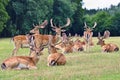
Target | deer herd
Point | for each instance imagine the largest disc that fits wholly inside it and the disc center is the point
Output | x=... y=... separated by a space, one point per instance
x=36 y=42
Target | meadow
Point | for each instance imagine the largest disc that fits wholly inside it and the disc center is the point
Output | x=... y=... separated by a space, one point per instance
x=94 y=65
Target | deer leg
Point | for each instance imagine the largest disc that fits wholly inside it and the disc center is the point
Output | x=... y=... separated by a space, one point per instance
x=14 y=52
x=32 y=67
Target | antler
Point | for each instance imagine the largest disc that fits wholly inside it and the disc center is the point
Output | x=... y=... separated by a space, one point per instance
x=43 y=24
x=85 y=25
x=34 y=25
x=67 y=24
x=99 y=35
x=52 y=23
x=106 y=34
x=95 y=24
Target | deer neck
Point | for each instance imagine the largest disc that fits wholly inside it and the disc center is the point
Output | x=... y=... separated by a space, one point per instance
x=35 y=58
x=102 y=44
x=52 y=51
x=58 y=37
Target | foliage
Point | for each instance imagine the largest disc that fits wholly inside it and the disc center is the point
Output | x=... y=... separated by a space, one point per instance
x=3 y=14
x=24 y=13
x=62 y=9
x=77 y=26
x=107 y=19
x=115 y=27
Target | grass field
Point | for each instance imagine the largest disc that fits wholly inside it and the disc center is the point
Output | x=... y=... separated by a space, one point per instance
x=80 y=66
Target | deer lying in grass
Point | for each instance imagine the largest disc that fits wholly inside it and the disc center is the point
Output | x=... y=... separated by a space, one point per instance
x=69 y=46
x=55 y=58
x=65 y=45
x=78 y=45
x=110 y=47
x=21 y=41
x=42 y=40
x=88 y=36
x=23 y=62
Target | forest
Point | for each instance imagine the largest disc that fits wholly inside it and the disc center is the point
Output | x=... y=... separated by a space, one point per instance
x=18 y=16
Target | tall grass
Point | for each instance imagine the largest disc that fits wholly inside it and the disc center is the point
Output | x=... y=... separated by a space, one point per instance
x=80 y=65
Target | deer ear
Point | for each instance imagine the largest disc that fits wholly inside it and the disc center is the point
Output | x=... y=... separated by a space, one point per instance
x=106 y=34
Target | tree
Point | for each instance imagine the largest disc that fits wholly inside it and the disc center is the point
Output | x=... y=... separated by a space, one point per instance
x=26 y=12
x=77 y=25
x=3 y=14
x=62 y=9
x=115 y=25
x=103 y=20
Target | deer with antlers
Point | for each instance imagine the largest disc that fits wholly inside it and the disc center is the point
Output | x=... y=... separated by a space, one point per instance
x=42 y=40
x=54 y=58
x=110 y=47
x=88 y=36
x=23 y=62
x=68 y=45
x=21 y=41
x=71 y=46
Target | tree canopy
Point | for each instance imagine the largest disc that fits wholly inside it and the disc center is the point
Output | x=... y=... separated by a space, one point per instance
x=18 y=16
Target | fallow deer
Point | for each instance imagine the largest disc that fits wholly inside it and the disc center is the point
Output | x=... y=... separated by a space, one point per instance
x=55 y=58
x=23 y=62
x=42 y=40
x=88 y=36
x=21 y=41
x=66 y=44
x=78 y=45
x=69 y=46
x=110 y=47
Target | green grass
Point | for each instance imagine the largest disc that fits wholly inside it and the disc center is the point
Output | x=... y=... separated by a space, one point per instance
x=80 y=66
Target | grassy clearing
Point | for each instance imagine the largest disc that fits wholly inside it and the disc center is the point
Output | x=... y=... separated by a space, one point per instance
x=80 y=66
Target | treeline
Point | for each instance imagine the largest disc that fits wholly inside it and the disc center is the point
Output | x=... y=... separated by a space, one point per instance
x=107 y=19
x=18 y=16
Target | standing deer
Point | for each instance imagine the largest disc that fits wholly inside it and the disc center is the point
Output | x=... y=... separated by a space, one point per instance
x=21 y=41
x=110 y=47
x=23 y=62
x=88 y=36
x=55 y=58
x=42 y=40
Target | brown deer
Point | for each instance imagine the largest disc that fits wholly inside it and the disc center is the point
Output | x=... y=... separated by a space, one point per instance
x=42 y=40
x=88 y=36
x=21 y=41
x=66 y=44
x=110 y=47
x=55 y=58
x=78 y=45
x=71 y=46
x=23 y=62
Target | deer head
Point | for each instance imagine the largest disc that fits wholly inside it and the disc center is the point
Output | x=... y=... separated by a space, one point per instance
x=89 y=29
x=37 y=27
x=59 y=29
x=100 y=38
